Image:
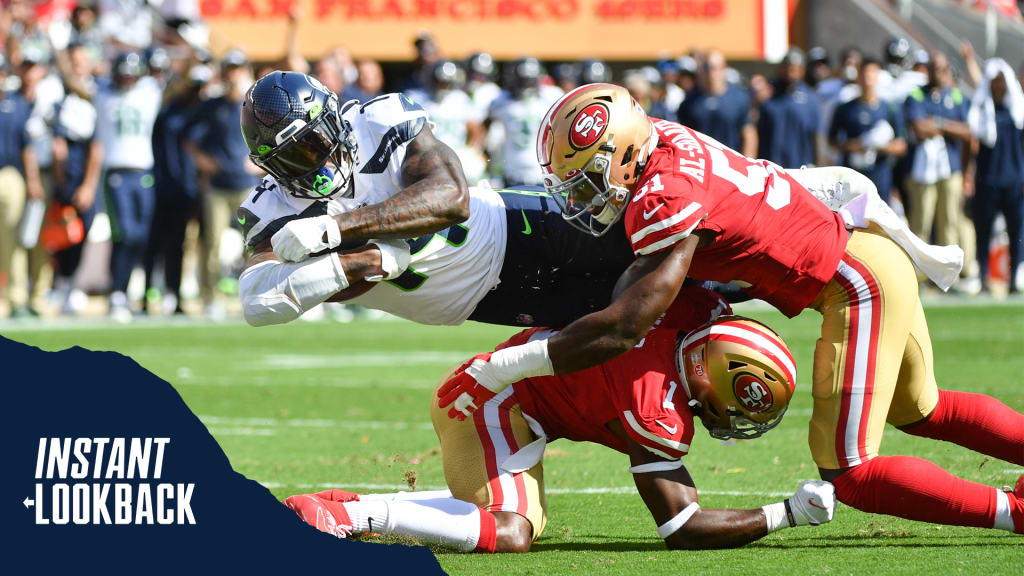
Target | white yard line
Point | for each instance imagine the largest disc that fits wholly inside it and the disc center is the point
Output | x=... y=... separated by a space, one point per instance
x=405 y=488
x=230 y=426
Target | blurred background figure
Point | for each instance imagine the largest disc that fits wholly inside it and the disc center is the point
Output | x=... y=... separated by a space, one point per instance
x=453 y=117
x=869 y=132
x=720 y=109
x=226 y=175
x=688 y=72
x=426 y=55
x=996 y=119
x=481 y=71
x=594 y=71
x=19 y=179
x=371 y=78
x=669 y=70
x=177 y=186
x=566 y=76
x=518 y=112
x=77 y=163
x=936 y=116
x=126 y=111
x=789 y=122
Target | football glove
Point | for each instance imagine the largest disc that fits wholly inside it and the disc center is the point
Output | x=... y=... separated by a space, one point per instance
x=813 y=503
x=468 y=388
x=297 y=239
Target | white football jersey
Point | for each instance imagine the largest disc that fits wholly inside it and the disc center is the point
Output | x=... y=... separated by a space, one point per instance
x=449 y=117
x=124 y=124
x=521 y=117
x=449 y=271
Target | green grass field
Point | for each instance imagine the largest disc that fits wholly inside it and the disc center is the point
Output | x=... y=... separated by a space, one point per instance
x=307 y=406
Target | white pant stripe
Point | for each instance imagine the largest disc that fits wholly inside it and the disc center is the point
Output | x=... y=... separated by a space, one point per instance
x=860 y=359
x=510 y=497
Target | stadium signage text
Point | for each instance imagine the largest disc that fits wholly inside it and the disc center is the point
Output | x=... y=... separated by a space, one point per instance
x=107 y=502
x=508 y=29
x=469 y=9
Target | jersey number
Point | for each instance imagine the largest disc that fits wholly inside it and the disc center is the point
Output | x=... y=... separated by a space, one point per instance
x=412 y=279
x=753 y=181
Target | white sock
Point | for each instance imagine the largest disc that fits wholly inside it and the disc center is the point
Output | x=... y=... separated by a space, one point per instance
x=1004 y=519
x=442 y=520
x=425 y=495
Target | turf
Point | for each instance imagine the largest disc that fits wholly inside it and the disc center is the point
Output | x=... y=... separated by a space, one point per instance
x=313 y=405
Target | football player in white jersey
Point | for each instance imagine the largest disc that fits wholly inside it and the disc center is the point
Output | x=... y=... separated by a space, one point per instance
x=518 y=112
x=374 y=170
x=126 y=111
x=453 y=117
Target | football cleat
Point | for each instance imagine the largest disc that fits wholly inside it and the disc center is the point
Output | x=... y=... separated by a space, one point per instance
x=324 y=515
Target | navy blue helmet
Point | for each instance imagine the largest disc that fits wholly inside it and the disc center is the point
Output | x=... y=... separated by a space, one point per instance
x=293 y=127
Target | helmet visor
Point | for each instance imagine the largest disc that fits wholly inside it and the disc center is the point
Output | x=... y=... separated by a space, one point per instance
x=304 y=152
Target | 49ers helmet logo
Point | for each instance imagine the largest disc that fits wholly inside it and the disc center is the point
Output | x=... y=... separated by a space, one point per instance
x=588 y=126
x=753 y=393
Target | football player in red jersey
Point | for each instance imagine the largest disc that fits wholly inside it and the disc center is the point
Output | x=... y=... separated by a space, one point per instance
x=733 y=373
x=693 y=207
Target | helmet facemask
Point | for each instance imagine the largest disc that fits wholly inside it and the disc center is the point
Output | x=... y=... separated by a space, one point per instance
x=313 y=160
x=589 y=201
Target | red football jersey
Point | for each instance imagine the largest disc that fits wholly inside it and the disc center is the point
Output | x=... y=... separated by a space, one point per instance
x=771 y=233
x=640 y=388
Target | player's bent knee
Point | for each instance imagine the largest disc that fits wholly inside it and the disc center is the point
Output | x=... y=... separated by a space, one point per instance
x=514 y=533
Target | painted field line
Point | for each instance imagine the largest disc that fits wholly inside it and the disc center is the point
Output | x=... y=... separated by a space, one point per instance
x=231 y=426
x=371 y=359
x=607 y=490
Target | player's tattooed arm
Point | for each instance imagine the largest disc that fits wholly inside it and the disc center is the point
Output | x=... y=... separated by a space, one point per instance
x=670 y=493
x=648 y=287
x=434 y=196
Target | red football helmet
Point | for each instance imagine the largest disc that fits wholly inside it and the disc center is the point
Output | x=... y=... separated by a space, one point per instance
x=738 y=374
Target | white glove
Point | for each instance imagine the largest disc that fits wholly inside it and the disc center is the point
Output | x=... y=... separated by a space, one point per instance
x=813 y=503
x=296 y=240
x=394 y=258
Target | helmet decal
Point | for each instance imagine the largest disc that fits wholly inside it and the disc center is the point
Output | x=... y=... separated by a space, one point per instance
x=755 y=396
x=263 y=150
x=588 y=126
x=314 y=111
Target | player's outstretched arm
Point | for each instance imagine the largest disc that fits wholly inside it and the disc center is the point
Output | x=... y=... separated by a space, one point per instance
x=275 y=292
x=434 y=196
x=669 y=492
x=645 y=291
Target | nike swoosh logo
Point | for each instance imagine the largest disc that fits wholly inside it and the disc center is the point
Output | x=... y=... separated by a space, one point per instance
x=241 y=221
x=811 y=502
x=647 y=215
x=670 y=430
x=528 y=230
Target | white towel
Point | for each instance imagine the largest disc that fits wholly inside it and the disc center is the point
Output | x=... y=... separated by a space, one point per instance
x=854 y=197
x=982 y=115
x=940 y=263
x=931 y=161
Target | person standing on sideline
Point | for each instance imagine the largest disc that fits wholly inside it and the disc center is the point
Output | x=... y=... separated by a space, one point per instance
x=869 y=132
x=226 y=174
x=996 y=119
x=126 y=111
x=936 y=117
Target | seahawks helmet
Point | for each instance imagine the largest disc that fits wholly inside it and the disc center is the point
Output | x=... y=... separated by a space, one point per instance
x=293 y=127
x=525 y=74
x=594 y=71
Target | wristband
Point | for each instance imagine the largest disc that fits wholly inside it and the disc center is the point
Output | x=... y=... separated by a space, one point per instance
x=775 y=516
x=516 y=363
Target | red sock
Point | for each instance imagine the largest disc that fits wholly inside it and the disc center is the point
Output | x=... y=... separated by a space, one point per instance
x=978 y=422
x=488 y=533
x=917 y=489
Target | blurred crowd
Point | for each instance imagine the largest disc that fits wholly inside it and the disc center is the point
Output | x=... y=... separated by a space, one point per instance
x=121 y=160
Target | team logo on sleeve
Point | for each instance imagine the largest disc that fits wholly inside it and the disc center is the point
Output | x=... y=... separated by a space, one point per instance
x=588 y=126
x=755 y=396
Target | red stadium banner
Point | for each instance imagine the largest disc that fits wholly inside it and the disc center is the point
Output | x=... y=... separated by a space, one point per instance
x=549 y=29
